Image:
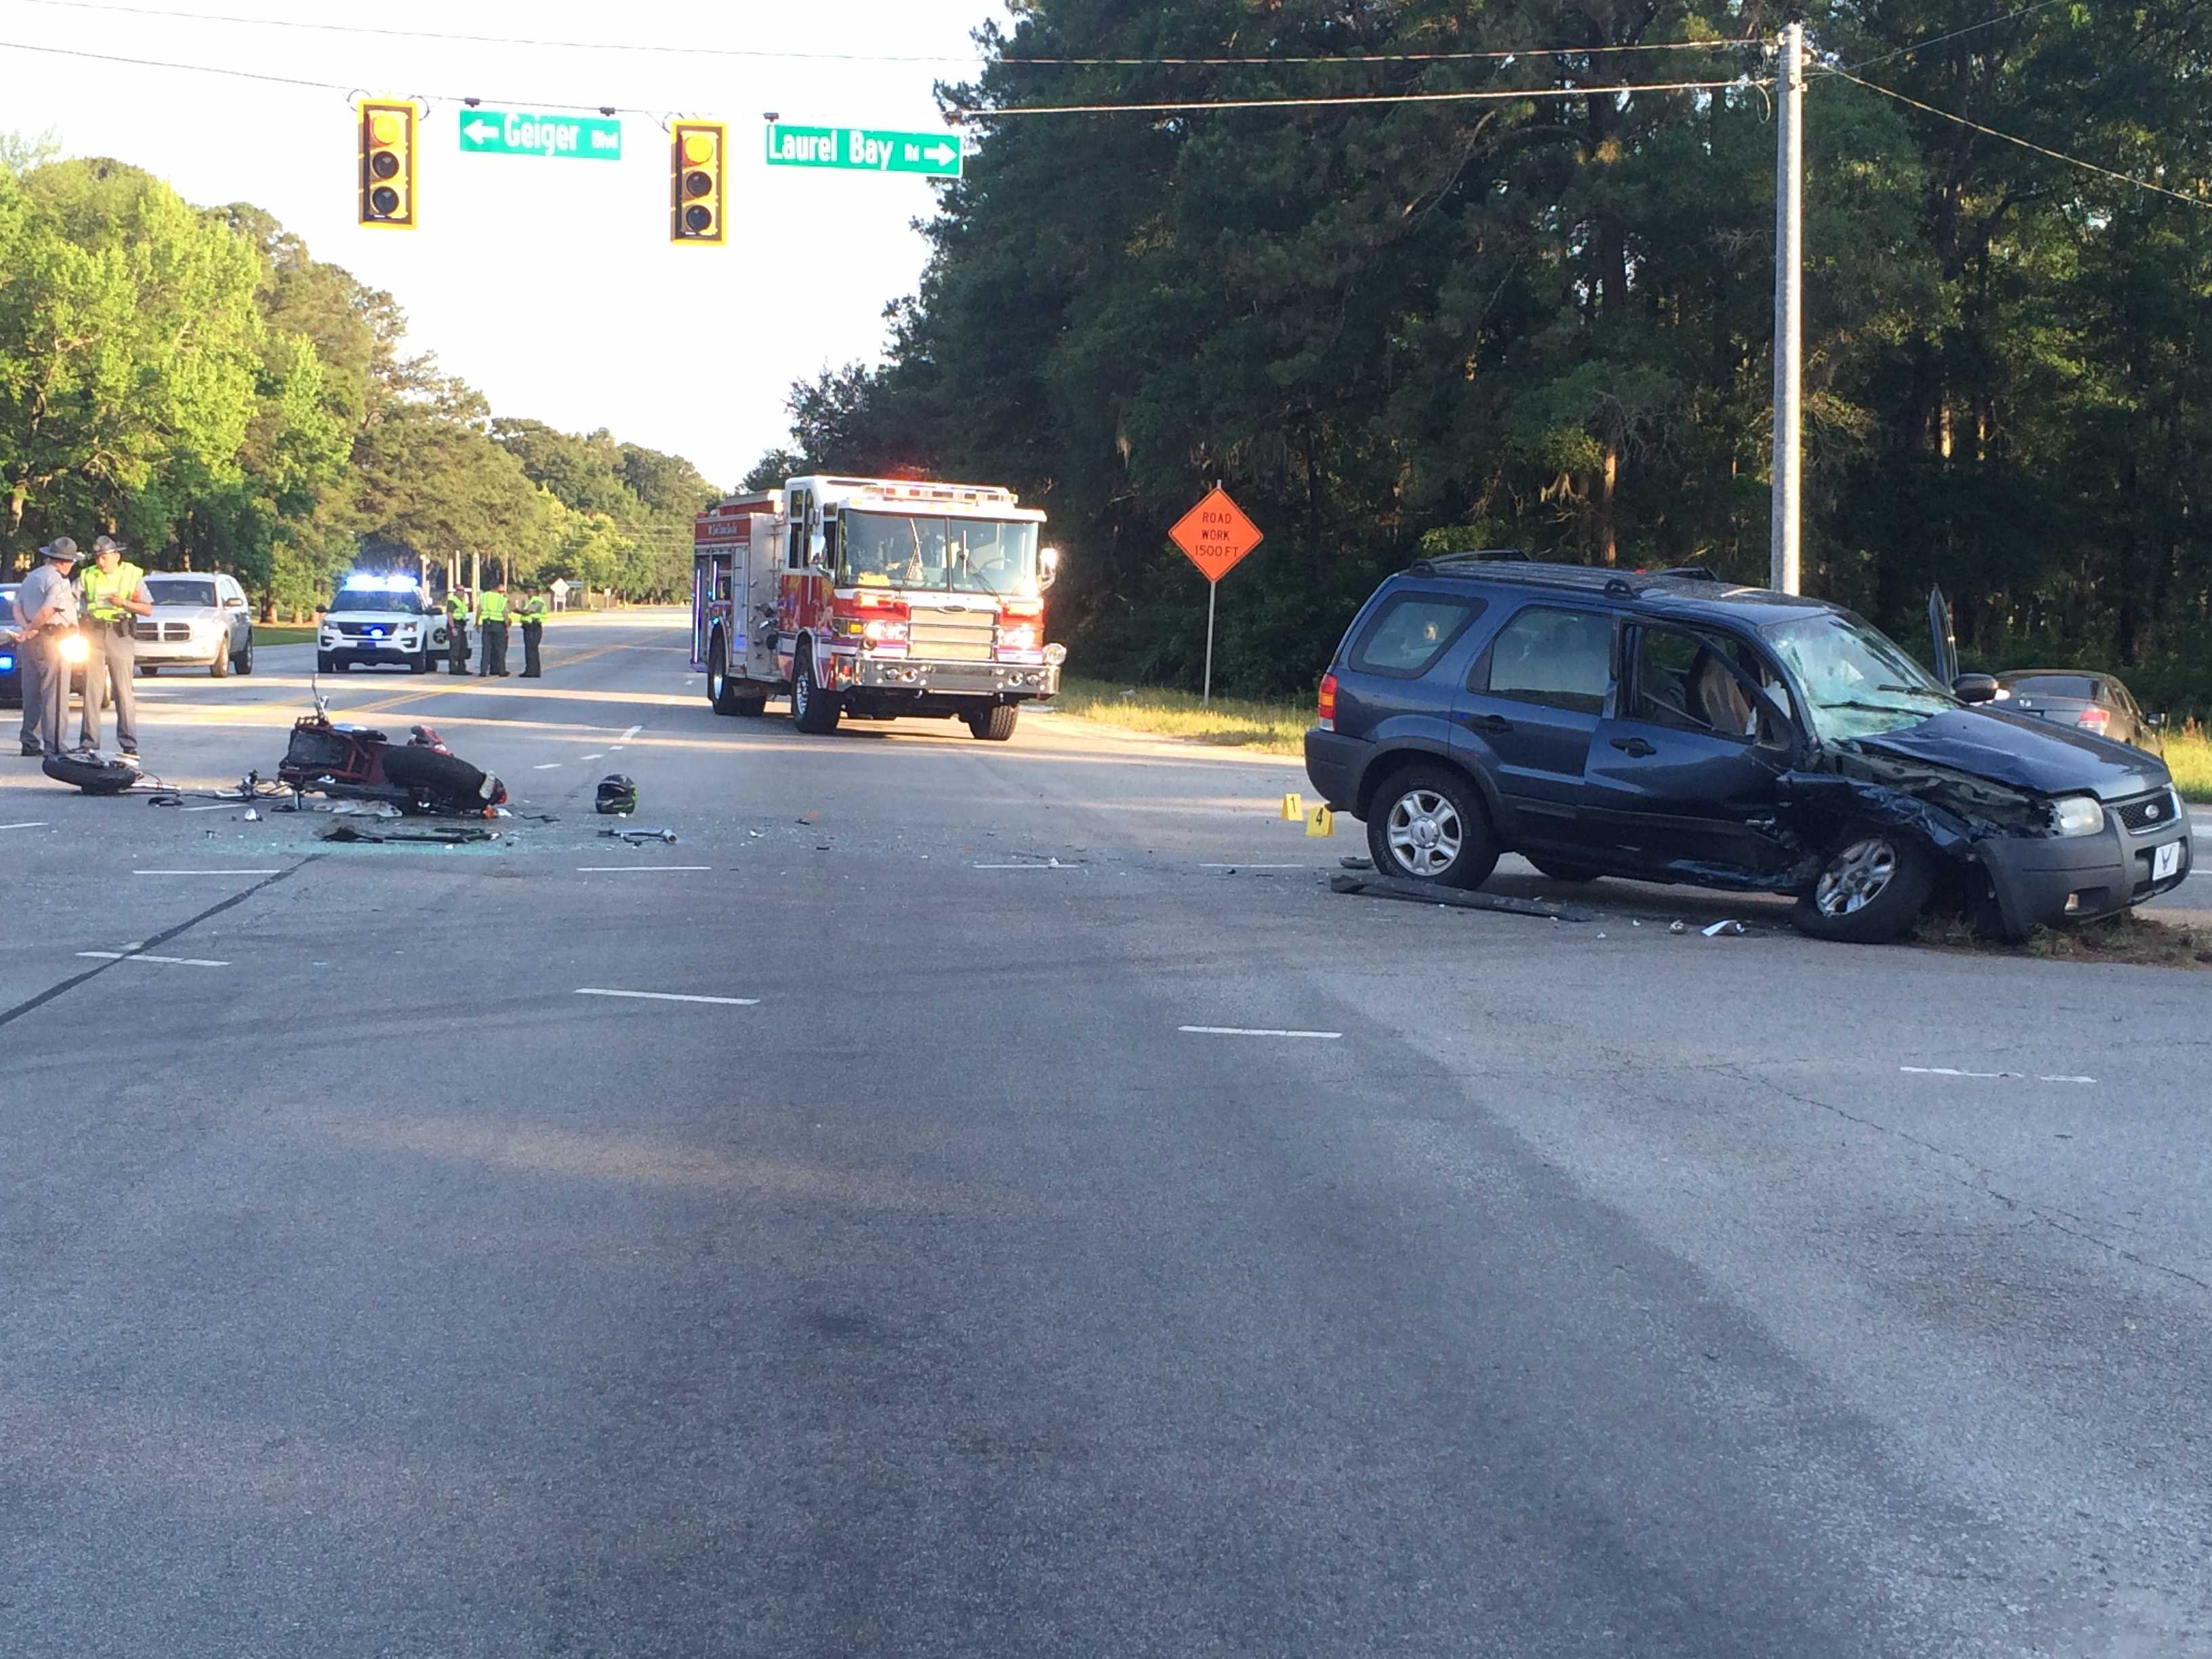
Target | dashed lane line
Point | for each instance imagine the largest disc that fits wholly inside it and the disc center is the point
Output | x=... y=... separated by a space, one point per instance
x=141 y=955
x=1991 y=1077
x=40 y=824
x=207 y=872
x=1259 y=1031
x=668 y=996
x=548 y=767
x=635 y=869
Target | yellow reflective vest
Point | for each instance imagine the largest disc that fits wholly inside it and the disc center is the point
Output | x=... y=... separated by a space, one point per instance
x=534 y=609
x=492 y=607
x=104 y=591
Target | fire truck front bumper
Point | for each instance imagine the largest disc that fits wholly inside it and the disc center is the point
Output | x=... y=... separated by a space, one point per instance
x=952 y=679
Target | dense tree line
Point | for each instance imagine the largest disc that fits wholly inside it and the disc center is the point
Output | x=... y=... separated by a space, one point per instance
x=1547 y=324
x=195 y=382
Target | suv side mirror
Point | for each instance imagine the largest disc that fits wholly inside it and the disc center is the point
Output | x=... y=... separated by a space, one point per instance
x=1975 y=688
x=234 y=603
x=2154 y=719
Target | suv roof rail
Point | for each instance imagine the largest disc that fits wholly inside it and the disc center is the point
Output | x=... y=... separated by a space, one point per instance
x=1510 y=565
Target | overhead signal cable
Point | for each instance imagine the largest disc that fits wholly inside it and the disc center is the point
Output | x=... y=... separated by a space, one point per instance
x=774 y=54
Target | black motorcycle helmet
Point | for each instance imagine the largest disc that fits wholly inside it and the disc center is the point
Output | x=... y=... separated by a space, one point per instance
x=618 y=795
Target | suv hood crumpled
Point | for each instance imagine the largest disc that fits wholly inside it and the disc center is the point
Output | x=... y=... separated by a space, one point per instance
x=2022 y=751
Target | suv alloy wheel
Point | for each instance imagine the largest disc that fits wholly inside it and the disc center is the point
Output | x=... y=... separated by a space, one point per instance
x=1429 y=824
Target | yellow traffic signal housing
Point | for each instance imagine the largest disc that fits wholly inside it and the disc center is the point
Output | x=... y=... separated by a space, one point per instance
x=697 y=195
x=387 y=163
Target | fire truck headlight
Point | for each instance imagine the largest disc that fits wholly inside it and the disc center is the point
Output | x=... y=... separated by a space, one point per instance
x=1018 y=636
x=1055 y=654
x=883 y=633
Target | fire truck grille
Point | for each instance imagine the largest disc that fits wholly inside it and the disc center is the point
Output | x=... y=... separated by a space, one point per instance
x=952 y=636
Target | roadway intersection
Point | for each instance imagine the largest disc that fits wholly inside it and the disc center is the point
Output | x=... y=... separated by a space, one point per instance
x=1013 y=1206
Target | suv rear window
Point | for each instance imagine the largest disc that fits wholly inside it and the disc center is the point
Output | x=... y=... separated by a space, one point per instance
x=1410 y=632
x=2051 y=685
x=1563 y=659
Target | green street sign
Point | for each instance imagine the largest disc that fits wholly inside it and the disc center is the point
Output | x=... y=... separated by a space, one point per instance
x=574 y=137
x=865 y=149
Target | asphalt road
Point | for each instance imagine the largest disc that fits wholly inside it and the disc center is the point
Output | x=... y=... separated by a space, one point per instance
x=1078 y=1231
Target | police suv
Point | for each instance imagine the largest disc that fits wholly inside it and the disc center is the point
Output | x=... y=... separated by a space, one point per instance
x=380 y=619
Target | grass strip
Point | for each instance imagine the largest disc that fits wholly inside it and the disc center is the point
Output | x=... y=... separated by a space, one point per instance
x=1274 y=728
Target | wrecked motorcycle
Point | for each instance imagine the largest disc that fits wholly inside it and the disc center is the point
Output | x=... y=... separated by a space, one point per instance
x=357 y=763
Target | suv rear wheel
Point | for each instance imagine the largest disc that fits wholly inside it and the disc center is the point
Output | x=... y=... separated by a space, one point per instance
x=1429 y=824
x=1870 y=888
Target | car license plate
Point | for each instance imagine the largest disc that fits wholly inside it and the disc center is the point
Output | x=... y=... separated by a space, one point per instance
x=2166 y=861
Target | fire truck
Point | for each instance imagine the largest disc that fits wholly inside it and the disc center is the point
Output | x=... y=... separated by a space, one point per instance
x=874 y=599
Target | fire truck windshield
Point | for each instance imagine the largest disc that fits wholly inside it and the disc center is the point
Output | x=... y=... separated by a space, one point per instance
x=946 y=555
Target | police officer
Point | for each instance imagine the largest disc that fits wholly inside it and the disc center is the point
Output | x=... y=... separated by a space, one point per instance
x=47 y=605
x=457 y=630
x=491 y=619
x=115 y=596
x=535 y=607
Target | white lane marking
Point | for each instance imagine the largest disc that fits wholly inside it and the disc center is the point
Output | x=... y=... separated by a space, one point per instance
x=1247 y=1031
x=668 y=996
x=219 y=806
x=1025 y=867
x=41 y=825
x=632 y=732
x=635 y=869
x=1251 y=866
x=548 y=767
x=140 y=956
x=602 y=755
x=1990 y=1076
x=207 y=872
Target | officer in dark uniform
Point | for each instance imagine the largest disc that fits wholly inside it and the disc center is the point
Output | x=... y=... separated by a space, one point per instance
x=457 y=630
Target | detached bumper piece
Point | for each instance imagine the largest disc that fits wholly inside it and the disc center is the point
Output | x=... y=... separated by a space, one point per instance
x=1460 y=898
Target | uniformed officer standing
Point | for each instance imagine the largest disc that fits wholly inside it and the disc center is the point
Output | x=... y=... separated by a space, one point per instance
x=115 y=597
x=535 y=607
x=457 y=630
x=48 y=605
x=491 y=618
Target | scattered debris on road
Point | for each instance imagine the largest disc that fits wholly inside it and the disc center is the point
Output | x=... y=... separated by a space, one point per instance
x=1725 y=930
x=634 y=837
x=442 y=835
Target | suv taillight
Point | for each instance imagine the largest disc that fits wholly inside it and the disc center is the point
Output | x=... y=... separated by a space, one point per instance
x=1327 y=712
x=2093 y=719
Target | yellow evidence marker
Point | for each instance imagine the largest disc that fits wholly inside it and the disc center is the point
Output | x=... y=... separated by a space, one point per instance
x=1294 y=808
x=1320 y=822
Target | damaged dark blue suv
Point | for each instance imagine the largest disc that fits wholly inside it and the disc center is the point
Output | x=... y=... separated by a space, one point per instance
x=1669 y=726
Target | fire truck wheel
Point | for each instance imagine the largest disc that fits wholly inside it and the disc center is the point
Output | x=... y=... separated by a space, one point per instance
x=813 y=710
x=996 y=723
x=721 y=694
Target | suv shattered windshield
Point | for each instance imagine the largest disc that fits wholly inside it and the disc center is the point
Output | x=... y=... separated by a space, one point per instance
x=948 y=556
x=1857 y=682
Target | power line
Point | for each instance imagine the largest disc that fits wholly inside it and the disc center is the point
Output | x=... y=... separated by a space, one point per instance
x=775 y=55
x=1917 y=46
x=2056 y=155
x=1487 y=95
x=295 y=81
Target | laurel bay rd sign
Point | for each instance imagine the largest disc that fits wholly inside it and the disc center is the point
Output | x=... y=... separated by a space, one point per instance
x=571 y=138
x=865 y=149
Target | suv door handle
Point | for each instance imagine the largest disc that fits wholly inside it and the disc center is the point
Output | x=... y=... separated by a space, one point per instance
x=1490 y=722
x=1635 y=746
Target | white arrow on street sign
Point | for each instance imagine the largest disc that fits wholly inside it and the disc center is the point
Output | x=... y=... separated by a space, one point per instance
x=943 y=154
x=481 y=130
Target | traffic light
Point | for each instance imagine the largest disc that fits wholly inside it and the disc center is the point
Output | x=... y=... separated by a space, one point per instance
x=387 y=163
x=695 y=188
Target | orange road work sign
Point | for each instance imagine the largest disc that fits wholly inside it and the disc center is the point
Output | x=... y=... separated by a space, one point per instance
x=1215 y=534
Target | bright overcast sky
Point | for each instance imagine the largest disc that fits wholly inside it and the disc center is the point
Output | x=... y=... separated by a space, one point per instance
x=548 y=284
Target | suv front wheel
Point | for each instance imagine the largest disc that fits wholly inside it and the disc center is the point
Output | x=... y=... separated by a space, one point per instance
x=1429 y=824
x=1870 y=888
